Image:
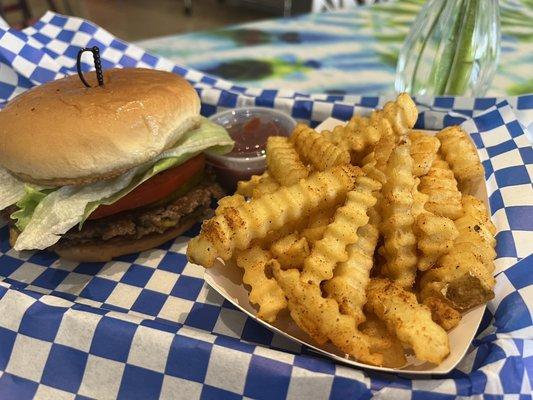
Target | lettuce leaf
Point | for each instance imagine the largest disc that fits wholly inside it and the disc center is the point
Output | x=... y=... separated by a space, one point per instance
x=11 y=189
x=64 y=208
x=27 y=204
x=207 y=136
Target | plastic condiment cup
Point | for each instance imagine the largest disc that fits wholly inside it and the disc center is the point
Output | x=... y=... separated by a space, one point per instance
x=231 y=168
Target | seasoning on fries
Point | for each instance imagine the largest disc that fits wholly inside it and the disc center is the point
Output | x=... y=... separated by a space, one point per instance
x=367 y=234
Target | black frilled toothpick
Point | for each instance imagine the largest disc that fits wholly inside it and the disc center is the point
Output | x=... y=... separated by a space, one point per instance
x=97 y=65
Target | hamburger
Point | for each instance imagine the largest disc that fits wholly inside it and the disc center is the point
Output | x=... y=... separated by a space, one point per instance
x=96 y=173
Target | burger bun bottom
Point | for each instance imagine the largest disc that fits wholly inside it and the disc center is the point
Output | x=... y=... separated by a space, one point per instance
x=107 y=250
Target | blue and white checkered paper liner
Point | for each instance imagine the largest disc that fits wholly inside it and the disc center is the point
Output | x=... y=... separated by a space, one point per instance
x=146 y=325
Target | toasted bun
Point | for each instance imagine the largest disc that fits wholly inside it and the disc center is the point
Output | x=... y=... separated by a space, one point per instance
x=105 y=251
x=63 y=133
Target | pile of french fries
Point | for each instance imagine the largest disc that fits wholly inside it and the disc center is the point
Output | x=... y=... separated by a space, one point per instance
x=368 y=235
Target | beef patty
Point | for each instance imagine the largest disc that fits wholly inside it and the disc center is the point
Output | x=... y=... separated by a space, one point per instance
x=142 y=221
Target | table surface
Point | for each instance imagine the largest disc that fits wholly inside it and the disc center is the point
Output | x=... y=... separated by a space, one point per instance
x=350 y=51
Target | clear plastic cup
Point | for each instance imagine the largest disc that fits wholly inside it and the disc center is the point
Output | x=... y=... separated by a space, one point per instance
x=231 y=168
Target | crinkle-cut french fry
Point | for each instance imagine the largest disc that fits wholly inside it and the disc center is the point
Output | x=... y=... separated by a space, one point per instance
x=283 y=162
x=245 y=188
x=265 y=292
x=441 y=187
x=394 y=120
x=435 y=234
x=375 y=162
x=465 y=275
x=337 y=136
x=383 y=150
x=370 y=168
x=342 y=231
x=459 y=151
x=409 y=320
x=316 y=149
x=234 y=200
x=320 y=317
x=350 y=278
x=362 y=133
x=291 y=251
x=314 y=234
x=266 y=185
x=380 y=130
x=424 y=151
x=399 y=245
x=435 y=238
x=257 y=186
x=237 y=227
x=442 y=313
x=275 y=235
x=357 y=135
x=401 y=114
x=393 y=355
x=477 y=211
x=419 y=200
x=476 y=232
x=317 y=225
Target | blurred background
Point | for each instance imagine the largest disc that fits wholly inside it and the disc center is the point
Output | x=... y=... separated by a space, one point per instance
x=141 y=19
x=358 y=50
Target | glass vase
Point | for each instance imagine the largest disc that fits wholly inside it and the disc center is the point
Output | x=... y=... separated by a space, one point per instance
x=452 y=49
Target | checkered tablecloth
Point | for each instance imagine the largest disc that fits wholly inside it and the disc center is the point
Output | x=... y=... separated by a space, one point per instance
x=147 y=326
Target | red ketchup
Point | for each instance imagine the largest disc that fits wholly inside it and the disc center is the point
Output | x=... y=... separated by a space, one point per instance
x=248 y=155
x=251 y=137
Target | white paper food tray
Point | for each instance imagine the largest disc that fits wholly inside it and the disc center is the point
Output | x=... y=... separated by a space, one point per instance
x=227 y=280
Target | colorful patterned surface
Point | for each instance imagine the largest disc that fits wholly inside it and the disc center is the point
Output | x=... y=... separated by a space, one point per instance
x=351 y=51
x=147 y=326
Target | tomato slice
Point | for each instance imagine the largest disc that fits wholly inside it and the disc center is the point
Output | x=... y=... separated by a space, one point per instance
x=154 y=189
